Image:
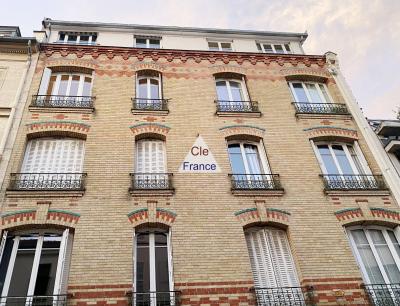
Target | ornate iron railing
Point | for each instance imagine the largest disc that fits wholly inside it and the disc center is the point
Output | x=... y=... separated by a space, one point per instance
x=34 y=300
x=62 y=101
x=151 y=181
x=150 y=104
x=288 y=296
x=237 y=106
x=162 y=298
x=320 y=108
x=47 y=181
x=255 y=181
x=353 y=182
x=383 y=294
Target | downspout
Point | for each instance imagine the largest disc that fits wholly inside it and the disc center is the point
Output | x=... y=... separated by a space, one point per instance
x=16 y=99
x=374 y=144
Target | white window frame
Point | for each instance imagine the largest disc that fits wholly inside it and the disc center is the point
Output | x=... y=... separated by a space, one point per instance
x=273 y=47
x=80 y=86
x=38 y=250
x=152 y=267
x=321 y=95
x=78 y=37
x=219 y=42
x=148 y=78
x=242 y=83
x=357 y=255
x=150 y=140
x=363 y=163
x=148 y=42
x=265 y=168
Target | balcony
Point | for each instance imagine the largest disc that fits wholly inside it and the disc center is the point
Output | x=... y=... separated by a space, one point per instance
x=55 y=101
x=383 y=294
x=288 y=296
x=320 y=108
x=34 y=300
x=140 y=105
x=237 y=107
x=166 y=298
x=353 y=182
x=47 y=182
x=159 y=183
x=242 y=184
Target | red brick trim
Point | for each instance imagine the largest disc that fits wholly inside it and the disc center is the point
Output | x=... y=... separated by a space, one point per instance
x=24 y=216
x=107 y=286
x=250 y=216
x=150 y=128
x=234 y=130
x=320 y=132
x=227 y=283
x=63 y=128
x=63 y=216
x=389 y=215
x=184 y=55
x=349 y=214
x=141 y=216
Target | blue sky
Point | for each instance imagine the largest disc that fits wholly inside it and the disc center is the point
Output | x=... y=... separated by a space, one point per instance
x=364 y=33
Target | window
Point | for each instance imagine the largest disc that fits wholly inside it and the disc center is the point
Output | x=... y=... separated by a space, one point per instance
x=250 y=169
x=34 y=264
x=52 y=163
x=219 y=46
x=153 y=43
x=77 y=38
x=232 y=96
x=310 y=92
x=151 y=165
x=153 y=279
x=149 y=92
x=274 y=48
x=273 y=268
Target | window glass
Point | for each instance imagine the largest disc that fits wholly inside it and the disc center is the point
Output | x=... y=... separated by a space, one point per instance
x=141 y=43
x=222 y=91
x=5 y=260
x=236 y=159
x=258 y=47
x=142 y=268
x=394 y=241
x=142 y=88
x=342 y=159
x=73 y=91
x=367 y=257
x=253 y=159
x=324 y=93
x=279 y=49
x=94 y=38
x=313 y=92
x=87 y=86
x=154 y=89
x=61 y=37
x=327 y=159
x=287 y=48
x=213 y=46
x=154 y=43
x=236 y=91
x=300 y=93
x=162 y=277
x=355 y=159
x=84 y=39
x=226 y=47
x=268 y=48
x=72 y=38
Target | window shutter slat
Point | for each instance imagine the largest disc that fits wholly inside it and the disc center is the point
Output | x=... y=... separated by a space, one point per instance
x=150 y=156
x=61 y=264
x=44 y=83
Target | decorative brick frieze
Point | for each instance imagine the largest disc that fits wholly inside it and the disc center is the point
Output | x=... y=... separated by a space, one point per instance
x=242 y=129
x=63 y=216
x=149 y=128
x=20 y=216
x=349 y=214
x=249 y=216
x=142 y=215
x=331 y=131
x=277 y=215
x=49 y=128
x=67 y=65
x=184 y=55
x=305 y=74
x=148 y=66
x=385 y=214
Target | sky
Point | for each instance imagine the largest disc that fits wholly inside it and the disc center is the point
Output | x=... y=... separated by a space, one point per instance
x=364 y=33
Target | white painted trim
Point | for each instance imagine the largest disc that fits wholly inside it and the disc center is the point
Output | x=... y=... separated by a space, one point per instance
x=10 y=268
x=61 y=263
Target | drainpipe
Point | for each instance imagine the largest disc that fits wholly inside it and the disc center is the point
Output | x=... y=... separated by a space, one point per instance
x=384 y=162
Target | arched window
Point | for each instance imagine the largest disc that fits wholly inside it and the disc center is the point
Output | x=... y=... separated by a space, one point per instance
x=149 y=91
x=232 y=94
x=273 y=267
x=151 y=165
x=310 y=92
x=34 y=266
x=153 y=280
x=52 y=163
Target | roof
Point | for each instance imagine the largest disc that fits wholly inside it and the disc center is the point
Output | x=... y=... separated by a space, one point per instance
x=12 y=29
x=48 y=21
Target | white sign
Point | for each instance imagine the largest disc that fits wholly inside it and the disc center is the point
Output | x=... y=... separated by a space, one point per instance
x=199 y=159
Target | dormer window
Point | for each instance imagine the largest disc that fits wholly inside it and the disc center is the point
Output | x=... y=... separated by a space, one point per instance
x=147 y=42
x=274 y=48
x=82 y=38
x=219 y=46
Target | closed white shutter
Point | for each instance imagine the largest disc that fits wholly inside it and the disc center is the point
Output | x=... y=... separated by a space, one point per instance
x=271 y=260
x=48 y=155
x=64 y=260
x=44 y=83
x=150 y=157
x=170 y=262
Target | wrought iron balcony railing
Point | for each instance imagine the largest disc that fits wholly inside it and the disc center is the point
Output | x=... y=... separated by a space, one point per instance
x=150 y=104
x=165 y=298
x=47 y=181
x=54 y=101
x=383 y=294
x=237 y=106
x=288 y=296
x=353 y=182
x=320 y=108
x=255 y=181
x=34 y=300
x=151 y=181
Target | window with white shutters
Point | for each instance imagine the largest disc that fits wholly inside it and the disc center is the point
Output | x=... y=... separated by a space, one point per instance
x=150 y=156
x=270 y=257
x=54 y=155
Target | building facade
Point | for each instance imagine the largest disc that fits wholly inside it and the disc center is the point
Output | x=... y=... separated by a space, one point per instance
x=187 y=166
x=18 y=57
